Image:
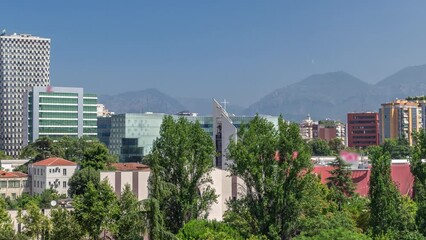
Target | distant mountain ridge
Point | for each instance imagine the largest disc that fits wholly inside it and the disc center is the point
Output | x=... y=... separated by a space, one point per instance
x=328 y=95
x=148 y=100
x=333 y=95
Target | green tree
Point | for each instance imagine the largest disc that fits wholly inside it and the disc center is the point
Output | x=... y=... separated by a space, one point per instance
x=335 y=234
x=181 y=161
x=3 y=155
x=6 y=226
x=73 y=148
x=397 y=148
x=25 y=198
x=212 y=230
x=96 y=209
x=97 y=156
x=320 y=147
x=47 y=196
x=274 y=185
x=65 y=226
x=79 y=181
x=155 y=221
x=384 y=195
x=35 y=224
x=418 y=168
x=41 y=149
x=336 y=145
x=130 y=222
x=340 y=181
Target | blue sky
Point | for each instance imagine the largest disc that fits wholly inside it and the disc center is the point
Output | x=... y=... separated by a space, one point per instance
x=239 y=50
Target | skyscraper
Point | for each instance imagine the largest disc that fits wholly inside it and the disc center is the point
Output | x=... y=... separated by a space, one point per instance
x=24 y=63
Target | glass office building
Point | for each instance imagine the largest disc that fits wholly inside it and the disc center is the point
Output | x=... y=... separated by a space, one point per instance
x=56 y=112
x=131 y=135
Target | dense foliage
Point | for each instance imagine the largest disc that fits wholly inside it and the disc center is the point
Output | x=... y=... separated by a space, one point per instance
x=280 y=198
x=418 y=168
x=180 y=162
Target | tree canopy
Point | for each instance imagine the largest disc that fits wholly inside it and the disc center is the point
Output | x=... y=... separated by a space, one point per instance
x=181 y=161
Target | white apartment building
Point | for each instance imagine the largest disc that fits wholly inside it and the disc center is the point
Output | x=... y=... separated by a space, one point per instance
x=24 y=63
x=51 y=173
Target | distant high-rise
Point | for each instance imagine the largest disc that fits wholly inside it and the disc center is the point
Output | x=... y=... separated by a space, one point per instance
x=24 y=63
x=363 y=129
x=399 y=119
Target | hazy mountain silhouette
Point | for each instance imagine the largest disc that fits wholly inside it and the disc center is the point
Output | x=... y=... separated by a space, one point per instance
x=329 y=95
x=203 y=106
x=333 y=95
x=148 y=100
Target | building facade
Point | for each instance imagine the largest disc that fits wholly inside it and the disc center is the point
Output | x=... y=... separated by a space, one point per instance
x=307 y=129
x=329 y=129
x=51 y=173
x=13 y=184
x=225 y=186
x=10 y=164
x=399 y=119
x=24 y=63
x=363 y=129
x=56 y=112
x=132 y=134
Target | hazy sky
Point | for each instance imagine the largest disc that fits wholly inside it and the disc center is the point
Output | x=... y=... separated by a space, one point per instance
x=238 y=50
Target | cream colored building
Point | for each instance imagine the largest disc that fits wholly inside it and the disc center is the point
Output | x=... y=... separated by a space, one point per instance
x=13 y=184
x=224 y=185
x=51 y=173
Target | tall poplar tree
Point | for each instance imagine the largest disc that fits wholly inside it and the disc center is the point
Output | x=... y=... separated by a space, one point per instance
x=385 y=199
x=418 y=168
x=130 y=222
x=181 y=161
x=273 y=162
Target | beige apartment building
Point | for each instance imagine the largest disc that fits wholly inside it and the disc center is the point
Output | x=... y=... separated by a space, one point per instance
x=13 y=184
x=137 y=177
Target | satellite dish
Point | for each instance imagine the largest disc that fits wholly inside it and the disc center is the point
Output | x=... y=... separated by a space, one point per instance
x=53 y=203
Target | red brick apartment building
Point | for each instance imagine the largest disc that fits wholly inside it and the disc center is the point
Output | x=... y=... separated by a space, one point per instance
x=363 y=129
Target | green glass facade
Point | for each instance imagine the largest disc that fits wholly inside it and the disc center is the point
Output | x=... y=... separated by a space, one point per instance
x=60 y=112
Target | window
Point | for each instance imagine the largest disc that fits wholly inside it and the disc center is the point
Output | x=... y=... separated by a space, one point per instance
x=14 y=184
x=13 y=196
x=64 y=171
x=64 y=184
x=3 y=184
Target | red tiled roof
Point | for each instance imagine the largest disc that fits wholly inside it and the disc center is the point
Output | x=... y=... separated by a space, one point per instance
x=401 y=175
x=4 y=174
x=130 y=166
x=54 y=162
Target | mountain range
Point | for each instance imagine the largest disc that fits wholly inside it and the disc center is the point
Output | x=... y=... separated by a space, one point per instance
x=329 y=95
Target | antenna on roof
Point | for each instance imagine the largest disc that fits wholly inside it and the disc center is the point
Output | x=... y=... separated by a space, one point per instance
x=3 y=32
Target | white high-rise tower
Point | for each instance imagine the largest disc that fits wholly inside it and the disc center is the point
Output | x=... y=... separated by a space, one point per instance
x=24 y=63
